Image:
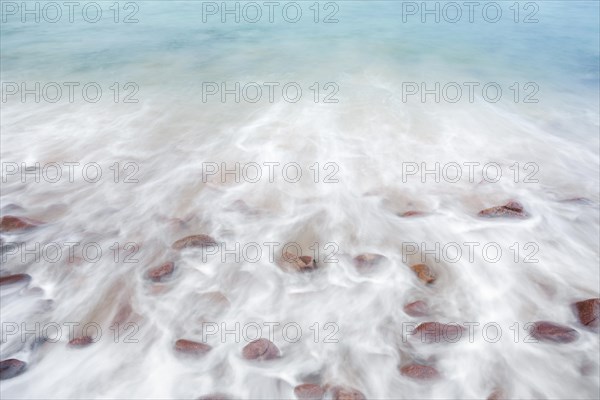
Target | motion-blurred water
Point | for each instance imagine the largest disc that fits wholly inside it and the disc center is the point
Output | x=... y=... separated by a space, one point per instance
x=371 y=137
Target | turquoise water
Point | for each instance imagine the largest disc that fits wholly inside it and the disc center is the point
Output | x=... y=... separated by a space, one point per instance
x=560 y=49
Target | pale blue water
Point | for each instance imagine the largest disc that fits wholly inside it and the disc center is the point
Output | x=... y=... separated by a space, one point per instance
x=560 y=50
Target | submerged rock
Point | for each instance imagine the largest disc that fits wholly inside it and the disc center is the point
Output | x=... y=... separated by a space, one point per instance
x=588 y=312
x=38 y=342
x=82 y=341
x=162 y=272
x=346 y=393
x=123 y=314
x=424 y=273
x=191 y=347
x=550 y=332
x=434 y=332
x=215 y=396
x=197 y=241
x=242 y=207
x=16 y=278
x=11 y=368
x=176 y=224
x=512 y=209
x=9 y=208
x=11 y=223
x=260 y=349
x=292 y=262
x=367 y=261
x=419 y=371
x=413 y=213
x=578 y=200
x=309 y=391
x=417 y=308
x=497 y=394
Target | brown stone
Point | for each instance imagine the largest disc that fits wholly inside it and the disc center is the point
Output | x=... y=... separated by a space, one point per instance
x=412 y=213
x=417 y=309
x=512 y=209
x=123 y=314
x=434 y=332
x=17 y=278
x=419 y=371
x=194 y=241
x=497 y=394
x=424 y=273
x=82 y=341
x=551 y=332
x=162 y=272
x=514 y=206
x=215 y=396
x=11 y=368
x=588 y=312
x=346 y=393
x=367 y=261
x=292 y=262
x=191 y=347
x=11 y=223
x=309 y=391
x=261 y=349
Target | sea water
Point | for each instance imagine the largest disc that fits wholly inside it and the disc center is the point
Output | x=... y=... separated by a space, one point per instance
x=378 y=128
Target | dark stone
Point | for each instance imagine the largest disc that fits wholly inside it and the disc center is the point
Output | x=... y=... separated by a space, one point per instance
x=261 y=349
x=419 y=371
x=424 y=273
x=45 y=305
x=309 y=391
x=82 y=341
x=292 y=262
x=346 y=393
x=434 y=332
x=550 y=332
x=17 y=278
x=191 y=347
x=38 y=342
x=588 y=312
x=11 y=368
x=198 y=241
x=512 y=209
x=11 y=223
x=417 y=309
x=161 y=273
